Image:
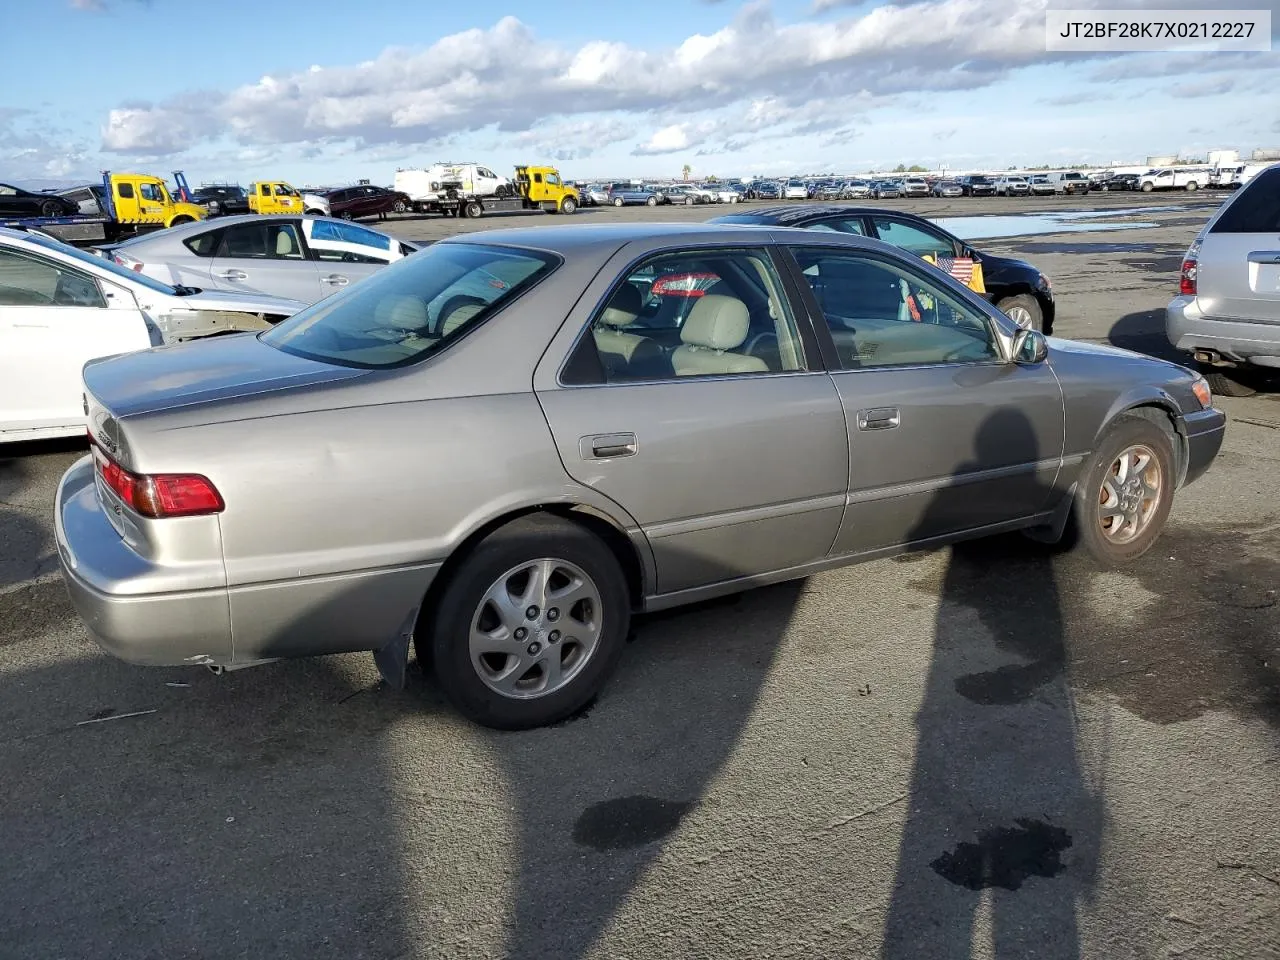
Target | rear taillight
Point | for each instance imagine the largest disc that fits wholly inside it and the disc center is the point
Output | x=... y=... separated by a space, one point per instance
x=160 y=495
x=1187 y=280
x=129 y=263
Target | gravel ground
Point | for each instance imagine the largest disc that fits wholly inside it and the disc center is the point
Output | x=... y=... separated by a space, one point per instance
x=984 y=752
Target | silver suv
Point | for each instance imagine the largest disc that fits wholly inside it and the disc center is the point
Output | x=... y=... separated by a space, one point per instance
x=1227 y=312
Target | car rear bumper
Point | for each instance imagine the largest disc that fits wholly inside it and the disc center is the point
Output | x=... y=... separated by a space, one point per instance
x=110 y=587
x=131 y=609
x=1240 y=340
x=1205 y=433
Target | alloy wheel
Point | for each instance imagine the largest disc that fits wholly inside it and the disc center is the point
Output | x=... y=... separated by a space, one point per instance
x=1130 y=494
x=536 y=628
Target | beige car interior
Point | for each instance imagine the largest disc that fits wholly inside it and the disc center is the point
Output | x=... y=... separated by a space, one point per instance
x=717 y=334
x=715 y=328
x=624 y=353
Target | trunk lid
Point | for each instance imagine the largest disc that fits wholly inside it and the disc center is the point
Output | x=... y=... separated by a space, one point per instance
x=1238 y=265
x=203 y=371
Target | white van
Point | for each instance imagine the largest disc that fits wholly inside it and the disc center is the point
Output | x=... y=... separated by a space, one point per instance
x=425 y=185
x=1069 y=181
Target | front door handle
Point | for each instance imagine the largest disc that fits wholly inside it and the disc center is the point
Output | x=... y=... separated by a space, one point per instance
x=232 y=275
x=607 y=446
x=335 y=280
x=879 y=418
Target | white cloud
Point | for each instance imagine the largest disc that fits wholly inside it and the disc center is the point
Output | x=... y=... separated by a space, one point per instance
x=506 y=75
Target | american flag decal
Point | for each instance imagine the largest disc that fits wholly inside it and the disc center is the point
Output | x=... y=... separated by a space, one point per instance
x=959 y=267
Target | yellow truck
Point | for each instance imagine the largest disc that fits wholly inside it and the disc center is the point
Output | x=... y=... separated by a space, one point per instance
x=536 y=188
x=274 y=196
x=121 y=206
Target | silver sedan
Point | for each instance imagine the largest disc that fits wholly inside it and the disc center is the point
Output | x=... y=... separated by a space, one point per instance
x=503 y=446
x=303 y=258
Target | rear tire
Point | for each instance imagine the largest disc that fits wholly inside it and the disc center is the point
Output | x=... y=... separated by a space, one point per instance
x=1192 y=186
x=1228 y=383
x=400 y=207
x=466 y=623
x=1117 y=480
x=474 y=209
x=51 y=208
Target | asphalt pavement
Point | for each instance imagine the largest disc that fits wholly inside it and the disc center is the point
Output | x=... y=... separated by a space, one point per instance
x=988 y=752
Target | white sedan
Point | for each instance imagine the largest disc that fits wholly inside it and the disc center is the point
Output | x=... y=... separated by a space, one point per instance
x=61 y=307
x=299 y=257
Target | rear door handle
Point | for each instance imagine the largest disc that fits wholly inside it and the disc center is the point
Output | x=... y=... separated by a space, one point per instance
x=607 y=446
x=336 y=280
x=232 y=275
x=1264 y=256
x=879 y=418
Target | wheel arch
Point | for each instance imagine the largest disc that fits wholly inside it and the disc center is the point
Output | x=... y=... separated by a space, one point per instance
x=629 y=549
x=1162 y=410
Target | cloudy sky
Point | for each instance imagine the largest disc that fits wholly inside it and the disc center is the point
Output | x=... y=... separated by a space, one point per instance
x=327 y=93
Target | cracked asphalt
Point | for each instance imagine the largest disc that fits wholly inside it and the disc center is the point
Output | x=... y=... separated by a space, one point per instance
x=987 y=752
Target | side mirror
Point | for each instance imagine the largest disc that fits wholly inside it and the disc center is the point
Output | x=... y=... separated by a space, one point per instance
x=1030 y=346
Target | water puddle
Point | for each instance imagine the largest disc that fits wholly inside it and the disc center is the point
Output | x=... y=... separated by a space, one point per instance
x=1037 y=224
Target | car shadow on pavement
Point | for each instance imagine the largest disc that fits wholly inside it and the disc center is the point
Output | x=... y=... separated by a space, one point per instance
x=1143 y=332
x=296 y=809
x=1002 y=833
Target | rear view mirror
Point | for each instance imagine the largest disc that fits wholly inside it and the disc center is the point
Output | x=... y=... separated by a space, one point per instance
x=1029 y=346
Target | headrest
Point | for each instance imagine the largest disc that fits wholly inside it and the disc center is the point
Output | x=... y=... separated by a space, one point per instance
x=717 y=322
x=284 y=243
x=459 y=315
x=624 y=306
x=401 y=310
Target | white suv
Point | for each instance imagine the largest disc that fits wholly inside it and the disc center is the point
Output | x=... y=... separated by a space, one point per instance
x=1227 y=312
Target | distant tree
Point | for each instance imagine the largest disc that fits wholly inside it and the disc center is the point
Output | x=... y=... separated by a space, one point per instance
x=916 y=168
x=685 y=171
x=713 y=179
x=900 y=169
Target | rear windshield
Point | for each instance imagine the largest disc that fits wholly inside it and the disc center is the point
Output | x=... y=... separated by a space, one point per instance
x=1255 y=209
x=413 y=308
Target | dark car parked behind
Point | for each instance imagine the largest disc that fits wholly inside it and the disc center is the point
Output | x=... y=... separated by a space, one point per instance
x=352 y=203
x=16 y=202
x=222 y=200
x=1016 y=288
x=977 y=185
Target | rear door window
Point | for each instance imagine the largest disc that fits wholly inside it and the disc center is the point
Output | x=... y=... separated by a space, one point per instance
x=274 y=240
x=1256 y=209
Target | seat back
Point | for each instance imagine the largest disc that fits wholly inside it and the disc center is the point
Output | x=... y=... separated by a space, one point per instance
x=715 y=328
x=625 y=355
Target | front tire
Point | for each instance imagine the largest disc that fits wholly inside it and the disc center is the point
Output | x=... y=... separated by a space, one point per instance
x=1024 y=310
x=567 y=205
x=1192 y=186
x=651 y=202
x=1126 y=494
x=400 y=207
x=530 y=625
x=1148 y=187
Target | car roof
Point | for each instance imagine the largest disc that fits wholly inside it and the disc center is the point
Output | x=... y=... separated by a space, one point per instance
x=574 y=239
x=795 y=213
